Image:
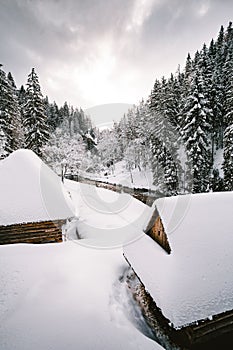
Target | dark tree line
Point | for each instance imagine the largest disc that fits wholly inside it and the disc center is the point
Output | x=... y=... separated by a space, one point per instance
x=186 y=120
x=178 y=132
x=27 y=119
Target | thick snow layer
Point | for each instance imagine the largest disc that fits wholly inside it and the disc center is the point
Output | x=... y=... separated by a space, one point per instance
x=195 y=281
x=67 y=295
x=106 y=218
x=31 y=191
x=61 y=296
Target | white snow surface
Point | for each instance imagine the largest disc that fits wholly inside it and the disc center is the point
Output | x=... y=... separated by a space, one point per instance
x=121 y=176
x=195 y=281
x=30 y=191
x=62 y=295
x=106 y=218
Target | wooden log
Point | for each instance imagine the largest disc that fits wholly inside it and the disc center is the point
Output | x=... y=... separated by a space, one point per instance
x=28 y=230
x=39 y=232
x=35 y=224
x=35 y=239
x=34 y=234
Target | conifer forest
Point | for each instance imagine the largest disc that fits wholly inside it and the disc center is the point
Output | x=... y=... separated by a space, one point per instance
x=182 y=132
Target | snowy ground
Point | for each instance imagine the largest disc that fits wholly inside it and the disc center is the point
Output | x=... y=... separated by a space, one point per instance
x=68 y=295
x=121 y=176
x=106 y=219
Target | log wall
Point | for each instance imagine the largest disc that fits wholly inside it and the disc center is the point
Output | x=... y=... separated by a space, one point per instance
x=157 y=232
x=36 y=232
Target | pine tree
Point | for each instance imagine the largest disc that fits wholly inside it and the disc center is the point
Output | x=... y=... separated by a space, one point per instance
x=218 y=88
x=21 y=93
x=16 y=120
x=228 y=121
x=162 y=140
x=228 y=158
x=54 y=121
x=6 y=126
x=76 y=122
x=3 y=140
x=216 y=182
x=35 y=116
x=188 y=72
x=205 y=67
x=195 y=135
x=173 y=97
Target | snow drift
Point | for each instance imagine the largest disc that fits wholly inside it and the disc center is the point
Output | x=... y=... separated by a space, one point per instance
x=30 y=191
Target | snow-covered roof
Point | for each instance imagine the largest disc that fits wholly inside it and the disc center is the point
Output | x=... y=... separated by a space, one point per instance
x=195 y=281
x=30 y=191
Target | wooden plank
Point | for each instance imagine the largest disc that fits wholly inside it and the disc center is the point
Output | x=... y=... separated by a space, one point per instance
x=35 y=234
x=29 y=231
x=39 y=232
x=35 y=224
x=209 y=329
x=35 y=239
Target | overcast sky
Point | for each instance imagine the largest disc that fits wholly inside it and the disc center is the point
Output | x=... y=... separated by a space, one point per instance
x=92 y=52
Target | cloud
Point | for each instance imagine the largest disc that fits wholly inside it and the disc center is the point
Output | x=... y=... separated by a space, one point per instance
x=95 y=52
x=204 y=8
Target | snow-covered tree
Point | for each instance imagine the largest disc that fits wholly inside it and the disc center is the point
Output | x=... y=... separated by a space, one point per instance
x=18 y=138
x=5 y=116
x=35 y=120
x=195 y=136
x=3 y=141
x=228 y=158
x=108 y=147
x=64 y=154
x=10 y=118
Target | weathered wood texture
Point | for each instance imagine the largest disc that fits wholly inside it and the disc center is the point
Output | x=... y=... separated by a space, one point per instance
x=33 y=232
x=206 y=330
x=155 y=230
x=202 y=334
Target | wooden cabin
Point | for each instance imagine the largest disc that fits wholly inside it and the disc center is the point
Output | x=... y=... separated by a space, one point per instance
x=207 y=334
x=34 y=203
x=187 y=294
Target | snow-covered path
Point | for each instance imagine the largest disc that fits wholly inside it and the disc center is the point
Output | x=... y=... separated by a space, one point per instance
x=62 y=296
x=107 y=219
x=57 y=296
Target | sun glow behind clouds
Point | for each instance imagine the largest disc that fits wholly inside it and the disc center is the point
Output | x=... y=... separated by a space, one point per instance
x=94 y=74
x=204 y=8
x=98 y=52
x=142 y=11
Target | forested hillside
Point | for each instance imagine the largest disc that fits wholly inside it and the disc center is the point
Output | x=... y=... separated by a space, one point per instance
x=28 y=120
x=185 y=127
x=183 y=132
